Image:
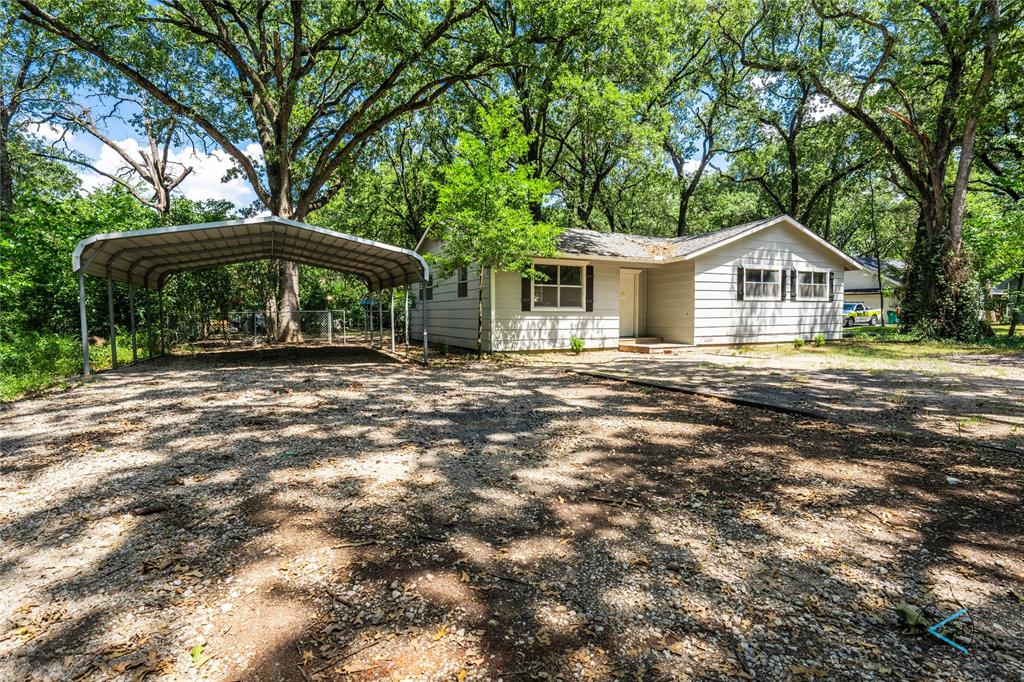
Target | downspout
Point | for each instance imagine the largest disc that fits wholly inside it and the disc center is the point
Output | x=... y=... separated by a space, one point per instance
x=492 y=316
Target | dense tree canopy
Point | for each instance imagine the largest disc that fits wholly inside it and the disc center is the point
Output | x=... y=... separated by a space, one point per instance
x=890 y=127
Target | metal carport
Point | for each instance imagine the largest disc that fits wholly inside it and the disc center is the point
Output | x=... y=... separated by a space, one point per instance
x=146 y=258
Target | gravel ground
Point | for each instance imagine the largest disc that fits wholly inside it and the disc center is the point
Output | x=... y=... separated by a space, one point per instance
x=323 y=513
x=954 y=396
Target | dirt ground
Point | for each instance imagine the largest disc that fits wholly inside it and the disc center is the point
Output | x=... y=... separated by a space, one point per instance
x=329 y=514
x=954 y=395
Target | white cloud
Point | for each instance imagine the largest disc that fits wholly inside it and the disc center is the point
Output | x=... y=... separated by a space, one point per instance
x=204 y=182
x=50 y=132
x=821 y=108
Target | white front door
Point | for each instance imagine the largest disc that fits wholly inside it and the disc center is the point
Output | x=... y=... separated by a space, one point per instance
x=628 y=303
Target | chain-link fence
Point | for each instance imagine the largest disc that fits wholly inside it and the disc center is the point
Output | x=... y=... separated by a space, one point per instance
x=368 y=324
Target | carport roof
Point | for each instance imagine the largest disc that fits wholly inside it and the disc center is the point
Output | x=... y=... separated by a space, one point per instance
x=147 y=257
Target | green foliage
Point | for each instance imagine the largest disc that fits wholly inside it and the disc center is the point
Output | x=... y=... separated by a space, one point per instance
x=798 y=343
x=946 y=305
x=31 y=361
x=819 y=340
x=576 y=344
x=483 y=210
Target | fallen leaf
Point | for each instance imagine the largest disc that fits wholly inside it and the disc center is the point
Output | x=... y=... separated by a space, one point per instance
x=197 y=653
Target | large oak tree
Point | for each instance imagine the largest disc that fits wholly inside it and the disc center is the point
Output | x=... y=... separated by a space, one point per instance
x=918 y=75
x=309 y=83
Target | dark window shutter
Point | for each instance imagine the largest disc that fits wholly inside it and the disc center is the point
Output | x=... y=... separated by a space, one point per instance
x=430 y=289
x=792 y=284
x=590 y=288
x=423 y=287
x=831 y=286
x=782 y=285
x=527 y=291
x=739 y=283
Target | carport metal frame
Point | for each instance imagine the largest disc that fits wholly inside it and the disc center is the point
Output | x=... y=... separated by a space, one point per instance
x=371 y=261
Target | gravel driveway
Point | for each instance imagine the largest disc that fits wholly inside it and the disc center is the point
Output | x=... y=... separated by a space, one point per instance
x=325 y=513
x=961 y=397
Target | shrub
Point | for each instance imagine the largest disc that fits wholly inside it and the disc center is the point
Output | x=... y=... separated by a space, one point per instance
x=576 y=344
x=798 y=343
x=819 y=340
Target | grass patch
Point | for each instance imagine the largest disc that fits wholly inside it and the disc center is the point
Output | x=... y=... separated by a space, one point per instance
x=891 y=343
x=32 y=362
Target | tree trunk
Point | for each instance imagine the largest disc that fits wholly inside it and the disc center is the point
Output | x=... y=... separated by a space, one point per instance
x=877 y=248
x=270 y=316
x=684 y=208
x=941 y=298
x=6 y=181
x=288 y=327
x=288 y=330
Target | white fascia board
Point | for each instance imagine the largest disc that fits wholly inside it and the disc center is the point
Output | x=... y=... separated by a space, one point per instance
x=848 y=260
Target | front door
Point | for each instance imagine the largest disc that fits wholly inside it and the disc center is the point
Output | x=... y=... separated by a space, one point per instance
x=629 y=303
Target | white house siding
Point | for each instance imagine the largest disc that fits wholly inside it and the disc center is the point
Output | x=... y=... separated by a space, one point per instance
x=670 y=302
x=450 y=319
x=867 y=279
x=516 y=330
x=719 y=318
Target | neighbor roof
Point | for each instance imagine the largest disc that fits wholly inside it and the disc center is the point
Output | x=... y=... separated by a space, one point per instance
x=147 y=257
x=668 y=249
x=890 y=268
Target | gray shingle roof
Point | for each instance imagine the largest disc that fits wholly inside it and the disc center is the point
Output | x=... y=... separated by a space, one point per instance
x=893 y=269
x=638 y=247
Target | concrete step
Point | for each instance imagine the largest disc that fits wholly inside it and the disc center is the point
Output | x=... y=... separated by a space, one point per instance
x=639 y=339
x=652 y=348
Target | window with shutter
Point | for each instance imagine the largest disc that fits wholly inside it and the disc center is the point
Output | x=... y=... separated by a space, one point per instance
x=761 y=284
x=812 y=286
x=561 y=286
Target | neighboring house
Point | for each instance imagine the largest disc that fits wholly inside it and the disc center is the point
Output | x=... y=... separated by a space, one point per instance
x=999 y=295
x=862 y=285
x=771 y=280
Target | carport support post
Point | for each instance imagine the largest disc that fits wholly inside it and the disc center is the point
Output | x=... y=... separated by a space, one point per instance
x=330 y=326
x=160 y=294
x=83 y=323
x=110 y=317
x=406 y=338
x=131 y=309
x=254 y=335
x=344 y=320
x=380 y=318
x=426 y=342
x=392 y=320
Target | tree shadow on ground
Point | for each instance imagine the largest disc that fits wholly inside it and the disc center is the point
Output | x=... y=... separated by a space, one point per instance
x=927 y=405
x=330 y=513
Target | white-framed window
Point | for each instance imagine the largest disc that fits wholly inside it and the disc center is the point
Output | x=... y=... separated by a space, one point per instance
x=561 y=287
x=811 y=285
x=761 y=284
x=462 y=282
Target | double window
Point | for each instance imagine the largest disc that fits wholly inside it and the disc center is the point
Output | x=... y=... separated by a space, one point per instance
x=560 y=287
x=812 y=286
x=761 y=284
